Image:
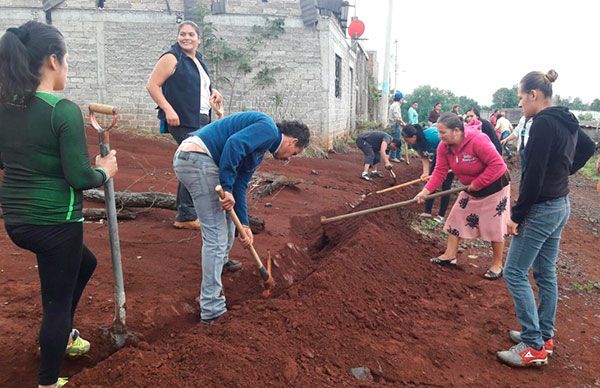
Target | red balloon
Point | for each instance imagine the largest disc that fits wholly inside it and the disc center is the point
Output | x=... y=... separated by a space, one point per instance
x=356 y=29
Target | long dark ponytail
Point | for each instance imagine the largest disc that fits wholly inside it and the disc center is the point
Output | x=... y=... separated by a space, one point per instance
x=22 y=53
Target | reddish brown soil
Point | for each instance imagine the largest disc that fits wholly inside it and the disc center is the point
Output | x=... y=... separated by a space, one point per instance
x=358 y=293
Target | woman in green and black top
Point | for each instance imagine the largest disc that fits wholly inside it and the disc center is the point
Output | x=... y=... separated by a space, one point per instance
x=46 y=166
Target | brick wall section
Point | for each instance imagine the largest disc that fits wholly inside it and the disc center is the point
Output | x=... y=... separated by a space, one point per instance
x=362 y=85
x=111 y=51
x=258 y=7
x=298 y=81
x=341 y=110
x=306 y=79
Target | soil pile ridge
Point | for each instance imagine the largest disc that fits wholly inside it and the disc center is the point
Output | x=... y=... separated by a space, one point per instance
x=364 y=295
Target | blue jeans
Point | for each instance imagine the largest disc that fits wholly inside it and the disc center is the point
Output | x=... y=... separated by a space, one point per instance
x=522 y=159
x=185 y=206
x=200 y=175
x=503 y=136
x=536 y=246
x=397 y=134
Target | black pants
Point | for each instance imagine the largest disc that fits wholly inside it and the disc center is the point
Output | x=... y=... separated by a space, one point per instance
x=64 y=265
x=445 y=200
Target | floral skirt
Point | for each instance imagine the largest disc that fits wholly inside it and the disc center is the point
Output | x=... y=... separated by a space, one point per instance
x=484 y=217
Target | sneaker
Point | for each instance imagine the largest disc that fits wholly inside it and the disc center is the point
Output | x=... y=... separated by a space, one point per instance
x=395 y=160
x=515 y=336
x=194 y=225
x=365 y=176
x=61 y=382
x=78 y=346
x=232 y=265
x=522 y=355
x=376 y=173
x=425 y=215
x=439 y=219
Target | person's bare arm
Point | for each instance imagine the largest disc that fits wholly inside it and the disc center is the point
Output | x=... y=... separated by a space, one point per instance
x=384 y=157
x=162 y=71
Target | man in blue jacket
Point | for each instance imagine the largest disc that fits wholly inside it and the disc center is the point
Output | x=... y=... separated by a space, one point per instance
x=227 y=152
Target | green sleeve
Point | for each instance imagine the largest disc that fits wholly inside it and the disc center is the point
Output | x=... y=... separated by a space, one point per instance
x=67 y=122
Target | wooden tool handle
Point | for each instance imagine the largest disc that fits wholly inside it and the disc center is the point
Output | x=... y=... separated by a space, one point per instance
x=242 y=232
x=400 y=186
x=325 y=220
x=405 y=184
x=103 y=109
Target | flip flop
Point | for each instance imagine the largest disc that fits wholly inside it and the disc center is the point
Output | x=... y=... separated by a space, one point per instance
x=444 y=262
x=491 y=275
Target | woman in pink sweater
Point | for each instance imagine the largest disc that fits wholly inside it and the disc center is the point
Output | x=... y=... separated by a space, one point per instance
x=481 y=210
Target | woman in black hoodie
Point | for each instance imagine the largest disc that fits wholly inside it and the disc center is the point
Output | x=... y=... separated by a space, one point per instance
x=556 y=149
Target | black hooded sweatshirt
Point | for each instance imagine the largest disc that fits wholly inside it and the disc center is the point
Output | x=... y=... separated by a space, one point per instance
x=557 y=147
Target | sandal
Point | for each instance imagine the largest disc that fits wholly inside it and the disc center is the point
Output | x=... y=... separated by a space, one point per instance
x=491 y=275
x=444 y=262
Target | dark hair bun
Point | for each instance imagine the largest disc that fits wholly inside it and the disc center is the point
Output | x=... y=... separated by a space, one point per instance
x=551 y=75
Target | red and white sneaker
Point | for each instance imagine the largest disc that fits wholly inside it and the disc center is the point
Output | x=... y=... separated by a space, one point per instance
x=515 y=336
x=522 y=355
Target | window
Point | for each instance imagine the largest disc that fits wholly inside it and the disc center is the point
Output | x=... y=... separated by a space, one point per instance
x=218 y=7
x=338 y=76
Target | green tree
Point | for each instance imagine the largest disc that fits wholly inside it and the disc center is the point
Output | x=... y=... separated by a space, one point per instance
x=505 y=98
x=595 y=105
x=558 y=100
x=428 y=96
x=578 y=104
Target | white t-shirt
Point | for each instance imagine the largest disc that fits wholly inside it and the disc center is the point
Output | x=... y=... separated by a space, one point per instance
x=521 y=131
x=204 y=89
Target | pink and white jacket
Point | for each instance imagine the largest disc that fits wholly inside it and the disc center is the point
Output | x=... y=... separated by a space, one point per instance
x=474 y=124
x=474 y=161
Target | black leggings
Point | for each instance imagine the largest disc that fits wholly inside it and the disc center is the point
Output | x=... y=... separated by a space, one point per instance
x=65 y=265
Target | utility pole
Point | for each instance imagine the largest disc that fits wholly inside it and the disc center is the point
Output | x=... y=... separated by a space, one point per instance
x=396 y=66
x=385 y=89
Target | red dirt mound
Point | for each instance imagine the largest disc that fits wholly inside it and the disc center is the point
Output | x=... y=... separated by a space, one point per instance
x=356 y=293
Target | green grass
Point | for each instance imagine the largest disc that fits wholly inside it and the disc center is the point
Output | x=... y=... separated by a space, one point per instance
x=586 y=287
x=428 y=224
x=589 y=169
x=313 y=151
x=342 y=145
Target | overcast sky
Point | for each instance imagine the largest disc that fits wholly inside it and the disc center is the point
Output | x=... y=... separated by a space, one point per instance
x=475 y=47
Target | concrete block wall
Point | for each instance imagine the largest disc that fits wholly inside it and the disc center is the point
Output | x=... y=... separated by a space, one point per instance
x=261 y=7
x=111 y=51
x=341 y=110
x=298 y=81
x=362 y=84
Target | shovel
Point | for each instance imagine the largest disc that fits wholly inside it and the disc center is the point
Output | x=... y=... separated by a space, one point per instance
x=393 y=175
x=118 y=331
x=265 y=273
x=325 y=220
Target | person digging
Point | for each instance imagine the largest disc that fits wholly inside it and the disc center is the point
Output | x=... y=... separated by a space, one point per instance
x=375 y=145
x=226 y=153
